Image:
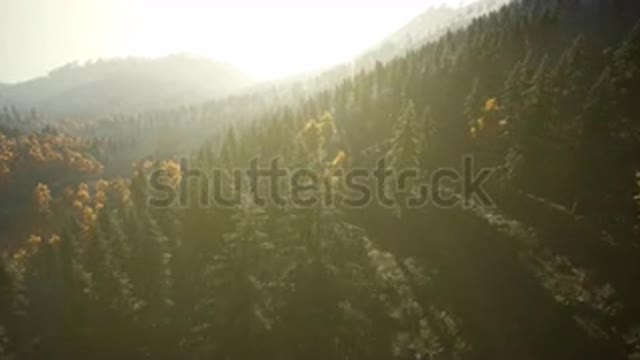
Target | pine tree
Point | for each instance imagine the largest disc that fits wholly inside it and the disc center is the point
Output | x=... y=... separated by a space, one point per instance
x=236 y=311
x=596 y=137
x=408 y=140
x=54 y=291
x=405 y=154
x=626 y=82
x=229 y=151
x=473 y=102
x=7 y=317
x=322 y=306
x=537 y=102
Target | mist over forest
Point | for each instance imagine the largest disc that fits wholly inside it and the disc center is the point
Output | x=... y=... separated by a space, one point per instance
x=467 y=187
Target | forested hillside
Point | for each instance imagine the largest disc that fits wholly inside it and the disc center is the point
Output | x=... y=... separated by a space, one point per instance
x=543 y=92
x=427 y=27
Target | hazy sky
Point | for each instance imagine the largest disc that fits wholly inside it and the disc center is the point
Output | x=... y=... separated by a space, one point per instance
x=265 y=38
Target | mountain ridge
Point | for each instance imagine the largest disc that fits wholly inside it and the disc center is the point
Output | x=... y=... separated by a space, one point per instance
x=124 y=85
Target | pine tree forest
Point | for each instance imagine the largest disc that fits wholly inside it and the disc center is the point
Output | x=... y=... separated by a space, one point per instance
x=544 y=92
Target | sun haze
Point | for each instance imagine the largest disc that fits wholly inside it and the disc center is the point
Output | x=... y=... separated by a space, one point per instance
x=265 y=39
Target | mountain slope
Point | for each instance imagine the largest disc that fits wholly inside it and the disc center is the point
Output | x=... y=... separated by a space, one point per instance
x=542 y=91
x=428 y=26
x=124 y=85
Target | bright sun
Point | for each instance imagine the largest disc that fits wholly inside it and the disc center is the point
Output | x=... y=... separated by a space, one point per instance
x=268 y=40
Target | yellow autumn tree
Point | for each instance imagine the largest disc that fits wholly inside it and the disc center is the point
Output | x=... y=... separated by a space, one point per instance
x=42 y=198
x=317 y=133
x=491 y=122
x=7 y=155
x=173 y=172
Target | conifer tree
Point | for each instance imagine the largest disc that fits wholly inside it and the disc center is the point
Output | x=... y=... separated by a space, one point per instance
x=568 y=89
x=408 y=140
x=405 y=153
x=7 y=317
x=473 y=102
x=236 y=311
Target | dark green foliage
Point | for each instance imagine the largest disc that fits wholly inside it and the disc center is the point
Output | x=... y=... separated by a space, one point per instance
x=551 y=273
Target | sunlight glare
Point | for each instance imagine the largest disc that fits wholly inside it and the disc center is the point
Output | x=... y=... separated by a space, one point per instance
x=267 y=40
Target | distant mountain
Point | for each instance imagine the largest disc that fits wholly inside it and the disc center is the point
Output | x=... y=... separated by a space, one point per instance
x=428 y=26
x=124 y=85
